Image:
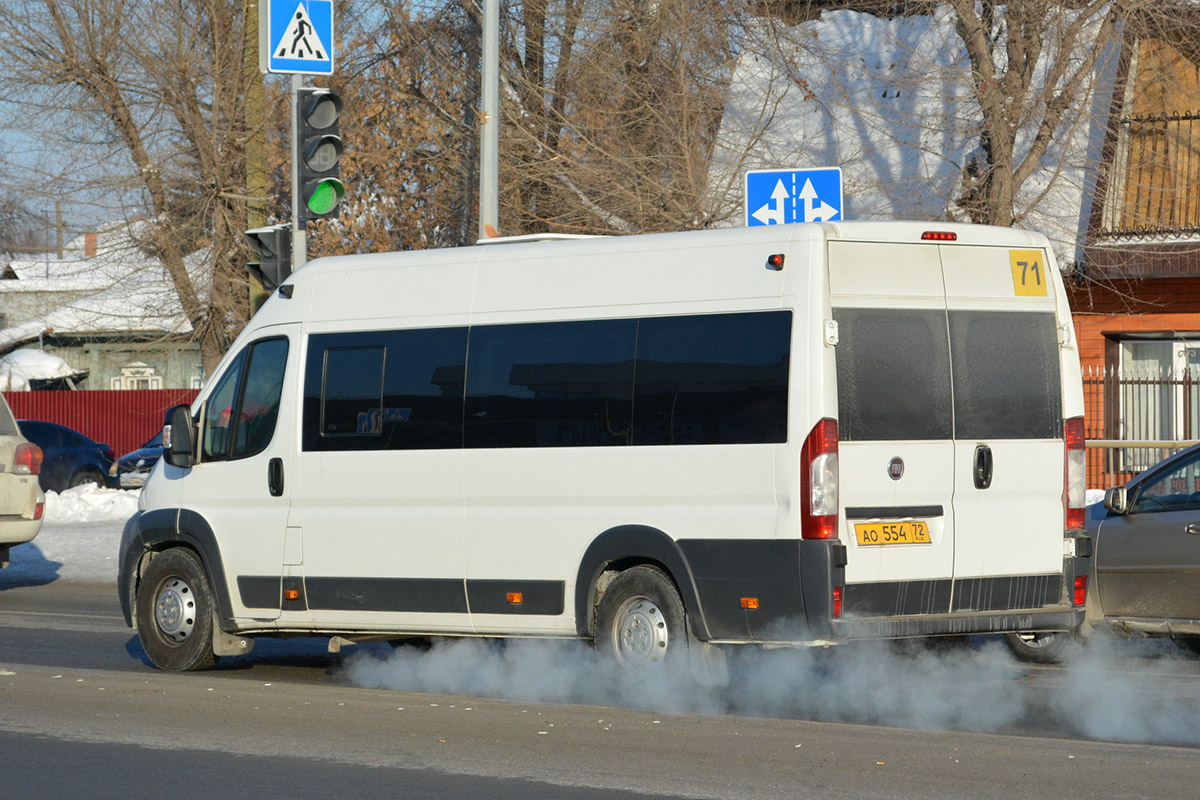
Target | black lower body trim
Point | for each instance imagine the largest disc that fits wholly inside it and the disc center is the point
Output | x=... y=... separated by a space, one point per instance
x=1003 y=594
x=894 y=598
x=422 y=595
x=908 y=598
x=419 y=595
x=1051 y=619
x=536 y=597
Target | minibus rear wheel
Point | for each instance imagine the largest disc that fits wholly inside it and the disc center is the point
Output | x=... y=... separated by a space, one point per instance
x=175 y=612
x=640 y=620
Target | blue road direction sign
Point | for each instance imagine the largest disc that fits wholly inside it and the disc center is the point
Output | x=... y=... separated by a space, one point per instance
x=299 y=36
x=774 y=197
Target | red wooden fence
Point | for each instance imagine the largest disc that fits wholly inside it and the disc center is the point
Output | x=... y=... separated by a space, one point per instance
x=123 y=419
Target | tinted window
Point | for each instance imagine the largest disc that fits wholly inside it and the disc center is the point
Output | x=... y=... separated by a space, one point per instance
x=1175 y=490
x=376 y=390
x=712 y=379
x=240 y=414
x=352 y=391
x=1006 y=375
x=893 y=377
x=259 y=408
x=556 y=384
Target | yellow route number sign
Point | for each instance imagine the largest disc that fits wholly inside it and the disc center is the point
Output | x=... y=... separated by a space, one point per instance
x=1029 y=272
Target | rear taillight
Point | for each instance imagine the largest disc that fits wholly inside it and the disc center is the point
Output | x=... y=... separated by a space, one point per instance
x=1074 y=475
x=38 y=510
x=1080 y=590
x=837 y=601
x=27 y=460
x=819 y=482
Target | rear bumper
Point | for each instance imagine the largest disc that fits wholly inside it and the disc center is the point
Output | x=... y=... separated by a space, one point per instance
x=1046 y=619
x=16 y=530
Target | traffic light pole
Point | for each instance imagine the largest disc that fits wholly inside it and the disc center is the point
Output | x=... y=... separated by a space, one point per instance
x=299 y=246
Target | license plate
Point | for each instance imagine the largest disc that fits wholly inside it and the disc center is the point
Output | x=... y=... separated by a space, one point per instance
x=904 y=532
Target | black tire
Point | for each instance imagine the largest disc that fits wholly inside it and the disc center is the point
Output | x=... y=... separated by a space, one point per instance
x=640 y=622
x=86 y=476
x=175 y=612
x=1190 y=644
x=1043 y=647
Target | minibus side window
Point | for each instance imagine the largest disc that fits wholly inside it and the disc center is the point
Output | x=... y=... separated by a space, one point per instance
x=385 y=390
x=352 y=391
x=240 y=414
x=218 y=412
x=712 y=379
x=260 y=400
x=550 y=384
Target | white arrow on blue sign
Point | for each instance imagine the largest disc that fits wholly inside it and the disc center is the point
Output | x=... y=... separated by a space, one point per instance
x=300 y=36
x=774 y=197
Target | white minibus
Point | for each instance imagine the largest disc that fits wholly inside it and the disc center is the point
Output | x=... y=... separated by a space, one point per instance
x=662 y=444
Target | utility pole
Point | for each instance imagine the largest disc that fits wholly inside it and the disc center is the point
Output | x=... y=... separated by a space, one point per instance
x=489 y=130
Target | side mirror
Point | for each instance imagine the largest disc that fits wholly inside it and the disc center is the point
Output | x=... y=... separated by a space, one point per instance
x=178 y=436
x=1116 y=500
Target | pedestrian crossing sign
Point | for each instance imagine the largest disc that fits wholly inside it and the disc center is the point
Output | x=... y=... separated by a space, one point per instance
x=298 y=36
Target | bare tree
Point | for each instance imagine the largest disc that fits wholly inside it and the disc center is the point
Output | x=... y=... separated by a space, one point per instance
x=609 y=114
x=148 y=96
x=1032 y=67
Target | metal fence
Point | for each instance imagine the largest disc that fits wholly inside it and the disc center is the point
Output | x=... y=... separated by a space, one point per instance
x=1135 y=419
x=123 y=419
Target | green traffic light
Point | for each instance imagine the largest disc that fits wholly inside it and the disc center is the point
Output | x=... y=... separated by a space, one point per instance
x=325 y=196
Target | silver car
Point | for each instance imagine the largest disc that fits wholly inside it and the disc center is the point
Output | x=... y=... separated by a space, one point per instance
x=1145 y=573
x=22 y=503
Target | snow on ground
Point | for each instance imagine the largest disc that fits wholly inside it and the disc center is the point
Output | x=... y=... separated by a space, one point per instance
x=78 y=540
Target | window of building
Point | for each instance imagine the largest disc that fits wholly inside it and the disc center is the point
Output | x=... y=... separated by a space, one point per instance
x=137 y=375
x=1155 y=391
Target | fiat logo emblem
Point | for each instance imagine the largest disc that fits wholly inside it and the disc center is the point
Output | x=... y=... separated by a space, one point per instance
x=896 y=468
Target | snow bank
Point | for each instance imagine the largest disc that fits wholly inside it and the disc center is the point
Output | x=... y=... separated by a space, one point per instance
x=20 y=367
x=89 y=503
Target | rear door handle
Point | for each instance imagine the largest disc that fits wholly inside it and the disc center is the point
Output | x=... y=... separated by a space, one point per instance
x=275 y=477
x=983 y=466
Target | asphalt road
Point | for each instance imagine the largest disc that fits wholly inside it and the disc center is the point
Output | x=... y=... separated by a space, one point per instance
x=83 y=714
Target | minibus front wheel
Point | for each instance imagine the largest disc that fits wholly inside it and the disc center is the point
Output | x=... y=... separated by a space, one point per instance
x=640 y=620
x=175 y=612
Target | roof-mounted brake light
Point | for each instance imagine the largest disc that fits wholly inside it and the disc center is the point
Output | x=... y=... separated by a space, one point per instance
x=939 y=236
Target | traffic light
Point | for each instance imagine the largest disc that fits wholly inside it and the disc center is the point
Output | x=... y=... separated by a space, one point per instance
x=270 y=261
x=319 y=152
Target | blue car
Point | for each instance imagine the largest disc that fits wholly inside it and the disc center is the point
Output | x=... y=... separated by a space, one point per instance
x=131 y=470
x=70 y=458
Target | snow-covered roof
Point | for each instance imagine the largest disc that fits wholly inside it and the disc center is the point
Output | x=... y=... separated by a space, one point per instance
x=889 y=101
x=124 y=289
x=20 y=368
